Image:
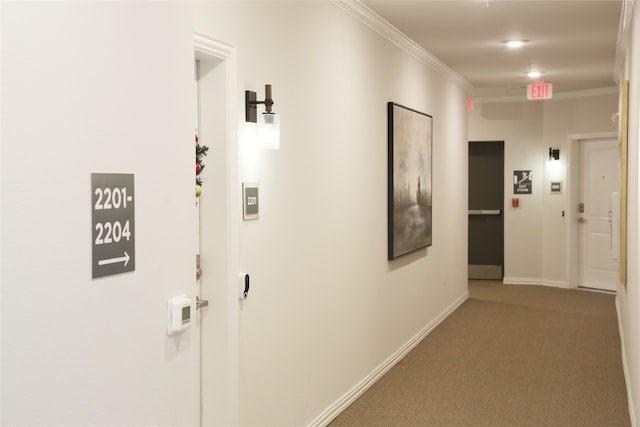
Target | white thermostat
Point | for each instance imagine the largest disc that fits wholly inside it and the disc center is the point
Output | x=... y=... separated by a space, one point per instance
x=178 y=314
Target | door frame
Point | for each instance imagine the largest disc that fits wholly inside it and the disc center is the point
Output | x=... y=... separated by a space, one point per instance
x=572 y=238
x=213 y=48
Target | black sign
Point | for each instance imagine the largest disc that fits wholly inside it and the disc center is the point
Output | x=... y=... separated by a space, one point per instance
x=522 y=182
x=112 y=224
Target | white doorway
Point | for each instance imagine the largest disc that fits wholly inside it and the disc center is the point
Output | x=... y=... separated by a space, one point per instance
x=217 y=322
x=598 y=172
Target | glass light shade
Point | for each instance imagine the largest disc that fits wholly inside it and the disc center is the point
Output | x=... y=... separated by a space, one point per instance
x=269 y=131
x=515 y=44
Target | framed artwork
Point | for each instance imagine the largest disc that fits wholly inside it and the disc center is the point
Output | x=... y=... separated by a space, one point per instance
x=410 y=136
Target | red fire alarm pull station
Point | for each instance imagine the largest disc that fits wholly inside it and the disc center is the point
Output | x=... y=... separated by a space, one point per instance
x=515 y=202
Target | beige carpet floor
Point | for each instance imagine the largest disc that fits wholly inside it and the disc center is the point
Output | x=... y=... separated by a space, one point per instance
x=509 y=356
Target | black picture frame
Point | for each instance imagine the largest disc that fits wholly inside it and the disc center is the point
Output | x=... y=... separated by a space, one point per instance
x=410 y=174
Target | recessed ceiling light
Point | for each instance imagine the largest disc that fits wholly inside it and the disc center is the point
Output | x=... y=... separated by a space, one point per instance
x=534 y=74
x=514 y=44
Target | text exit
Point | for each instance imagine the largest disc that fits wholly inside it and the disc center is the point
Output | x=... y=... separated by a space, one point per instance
x=539 y=91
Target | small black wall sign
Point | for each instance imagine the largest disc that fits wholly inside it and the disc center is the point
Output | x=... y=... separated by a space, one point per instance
x=522 y=182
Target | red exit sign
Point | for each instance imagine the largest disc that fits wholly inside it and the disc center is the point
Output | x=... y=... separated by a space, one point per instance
x=540 y=91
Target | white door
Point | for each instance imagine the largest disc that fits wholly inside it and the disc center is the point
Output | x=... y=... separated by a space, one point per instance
x=599 y=180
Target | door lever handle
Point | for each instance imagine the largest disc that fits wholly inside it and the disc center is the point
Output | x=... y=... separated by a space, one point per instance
x=245 y=293
x=582 y=220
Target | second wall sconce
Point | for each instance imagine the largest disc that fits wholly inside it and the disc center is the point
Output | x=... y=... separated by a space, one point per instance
x=268 y=122
x=554 y=153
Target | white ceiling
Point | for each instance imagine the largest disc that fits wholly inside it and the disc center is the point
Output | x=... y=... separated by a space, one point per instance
x=572 y=42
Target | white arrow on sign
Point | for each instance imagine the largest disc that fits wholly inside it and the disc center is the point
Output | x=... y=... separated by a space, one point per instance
x=124 y=258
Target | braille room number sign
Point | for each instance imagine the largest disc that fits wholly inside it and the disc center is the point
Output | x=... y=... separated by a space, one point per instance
x=112 y=224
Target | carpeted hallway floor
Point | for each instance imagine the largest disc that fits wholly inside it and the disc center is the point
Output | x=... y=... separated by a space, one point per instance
x=509 y=356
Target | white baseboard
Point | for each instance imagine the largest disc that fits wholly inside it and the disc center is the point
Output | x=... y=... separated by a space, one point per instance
x=625 y=367
x=538 y=282
x=342 y=403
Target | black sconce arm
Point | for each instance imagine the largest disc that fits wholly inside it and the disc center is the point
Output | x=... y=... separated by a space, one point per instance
x=251 y=110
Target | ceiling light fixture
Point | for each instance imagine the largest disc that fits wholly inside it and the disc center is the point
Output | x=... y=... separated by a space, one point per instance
x=515 y=44
x=534 y=74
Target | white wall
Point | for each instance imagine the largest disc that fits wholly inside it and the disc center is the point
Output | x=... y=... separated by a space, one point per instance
x=95 y=87
x=519 y=126
x=535 y=232
x=107 y=87
x=326 y=307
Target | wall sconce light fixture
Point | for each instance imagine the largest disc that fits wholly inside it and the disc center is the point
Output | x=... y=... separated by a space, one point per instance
x=554 y=153
x=268 y=122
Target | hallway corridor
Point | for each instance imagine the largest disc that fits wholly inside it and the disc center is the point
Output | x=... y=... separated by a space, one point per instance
x=509 y=356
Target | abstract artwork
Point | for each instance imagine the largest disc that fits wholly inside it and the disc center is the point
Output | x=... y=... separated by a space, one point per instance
x=410 y=198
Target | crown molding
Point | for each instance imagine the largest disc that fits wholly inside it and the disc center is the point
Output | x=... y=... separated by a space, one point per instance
x=612 y=90
x=357 y=9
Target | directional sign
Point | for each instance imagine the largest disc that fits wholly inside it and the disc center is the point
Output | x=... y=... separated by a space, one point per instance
x=112 y=224
x=522 y=182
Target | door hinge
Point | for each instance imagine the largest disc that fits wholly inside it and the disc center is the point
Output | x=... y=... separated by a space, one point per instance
x=201 y=303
